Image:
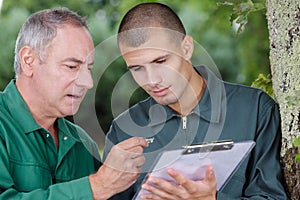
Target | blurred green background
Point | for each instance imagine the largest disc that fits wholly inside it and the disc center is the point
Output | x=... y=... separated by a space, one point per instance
x=239 y=57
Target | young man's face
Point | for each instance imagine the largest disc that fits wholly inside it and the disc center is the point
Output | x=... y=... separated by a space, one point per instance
x=62 y=80
x=161 y=66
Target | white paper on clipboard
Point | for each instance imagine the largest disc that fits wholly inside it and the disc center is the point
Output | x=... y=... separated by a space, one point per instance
x=193 y=164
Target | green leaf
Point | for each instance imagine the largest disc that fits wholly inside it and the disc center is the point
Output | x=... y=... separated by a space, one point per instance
x=264 y=83
x=296 y=142
x=233 y=17
x=259 y=6
x=242 y=19
x=241 y=10
x=245 y=7
x=226 y=3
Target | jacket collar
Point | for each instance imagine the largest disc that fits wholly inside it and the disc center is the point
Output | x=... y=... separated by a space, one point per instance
x=22 y=115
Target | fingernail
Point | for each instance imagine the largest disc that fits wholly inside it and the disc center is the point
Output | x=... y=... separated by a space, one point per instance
x=152 y=179
x=144 y=186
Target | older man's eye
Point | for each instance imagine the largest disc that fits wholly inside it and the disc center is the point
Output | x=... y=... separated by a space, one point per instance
x=161 y=61
x=71 y=67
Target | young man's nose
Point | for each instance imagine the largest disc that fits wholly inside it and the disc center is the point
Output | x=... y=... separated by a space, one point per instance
x=153 y=77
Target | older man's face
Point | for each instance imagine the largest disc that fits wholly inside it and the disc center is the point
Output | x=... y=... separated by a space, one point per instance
x=62 y=80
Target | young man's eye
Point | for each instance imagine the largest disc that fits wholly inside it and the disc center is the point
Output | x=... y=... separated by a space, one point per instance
x=136 y=68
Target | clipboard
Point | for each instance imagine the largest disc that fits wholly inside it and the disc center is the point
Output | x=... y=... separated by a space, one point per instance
x=225 y=157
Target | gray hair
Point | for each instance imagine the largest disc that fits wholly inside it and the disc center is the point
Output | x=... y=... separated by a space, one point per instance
x=40 y=28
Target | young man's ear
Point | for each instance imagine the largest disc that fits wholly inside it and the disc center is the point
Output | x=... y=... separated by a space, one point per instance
x=187 y=46
x=27 y=57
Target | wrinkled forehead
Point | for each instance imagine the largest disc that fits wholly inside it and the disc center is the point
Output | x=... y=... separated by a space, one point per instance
x=149 y=38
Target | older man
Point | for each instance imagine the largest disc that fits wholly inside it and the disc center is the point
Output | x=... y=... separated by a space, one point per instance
x=44 y=156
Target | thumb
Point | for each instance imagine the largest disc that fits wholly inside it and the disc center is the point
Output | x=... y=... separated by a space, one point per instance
x=210 y=175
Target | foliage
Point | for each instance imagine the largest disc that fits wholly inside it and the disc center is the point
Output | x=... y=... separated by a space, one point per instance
x=10 y=23
x=239 y=59
x=241 y=10
x=84 y=8
x=253 y=42
x=296 y=143
x=265 y=83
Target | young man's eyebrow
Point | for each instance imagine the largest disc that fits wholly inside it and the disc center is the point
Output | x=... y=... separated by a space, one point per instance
x=159 y=58
x=153 y=61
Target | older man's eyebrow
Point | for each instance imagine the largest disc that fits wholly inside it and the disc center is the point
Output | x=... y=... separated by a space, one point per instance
x=76 y=60
x=72 y=60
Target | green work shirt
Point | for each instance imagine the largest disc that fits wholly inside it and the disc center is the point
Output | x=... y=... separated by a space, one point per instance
x=226 y=111
x=31 y=166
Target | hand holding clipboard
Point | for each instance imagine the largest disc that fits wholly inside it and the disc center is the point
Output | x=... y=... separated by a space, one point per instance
x=224 y=156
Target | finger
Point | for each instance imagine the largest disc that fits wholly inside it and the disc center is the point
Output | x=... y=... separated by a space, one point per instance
x=210 y=176
x=182 y=180
x=128 y=153
x=136 y=150
x=132 y=143
x=138 y=162
x=149 y=196
x=157 y=191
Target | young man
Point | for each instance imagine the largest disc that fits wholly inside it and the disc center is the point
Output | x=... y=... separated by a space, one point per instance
x=189 y=105
x=44 y=156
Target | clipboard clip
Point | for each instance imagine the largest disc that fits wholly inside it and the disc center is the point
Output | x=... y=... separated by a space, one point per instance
x=208 y=146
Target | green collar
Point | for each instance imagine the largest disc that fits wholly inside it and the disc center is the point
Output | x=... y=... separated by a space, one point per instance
x=23 y=116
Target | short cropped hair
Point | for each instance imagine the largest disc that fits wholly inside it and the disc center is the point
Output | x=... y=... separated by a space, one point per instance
x=133 y=29
x=40 y=28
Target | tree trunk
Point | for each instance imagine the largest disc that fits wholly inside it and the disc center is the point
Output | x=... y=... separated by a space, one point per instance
x=284 y=28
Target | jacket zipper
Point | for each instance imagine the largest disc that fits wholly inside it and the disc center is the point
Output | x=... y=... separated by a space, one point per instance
x=184 y=127
x=184 y=121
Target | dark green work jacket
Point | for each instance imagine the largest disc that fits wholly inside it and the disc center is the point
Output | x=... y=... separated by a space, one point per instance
x=31 y=167
x=226 y=111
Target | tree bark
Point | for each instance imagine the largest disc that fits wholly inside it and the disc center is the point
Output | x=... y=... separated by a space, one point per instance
x=284 y=29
